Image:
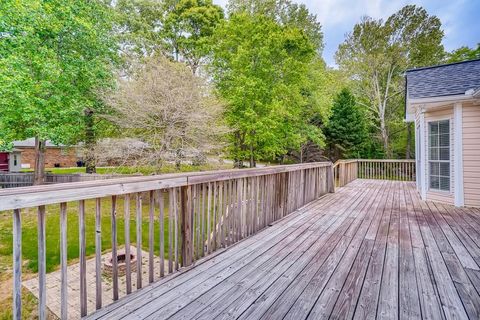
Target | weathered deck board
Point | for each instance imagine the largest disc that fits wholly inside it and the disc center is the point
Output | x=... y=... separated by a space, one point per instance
x=371 y=250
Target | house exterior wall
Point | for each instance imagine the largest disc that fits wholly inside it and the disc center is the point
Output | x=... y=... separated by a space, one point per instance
x=433 y=195
x=471 y=154
x=66 y=157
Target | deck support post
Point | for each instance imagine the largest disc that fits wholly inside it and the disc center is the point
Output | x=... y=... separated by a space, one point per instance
x=186 y=226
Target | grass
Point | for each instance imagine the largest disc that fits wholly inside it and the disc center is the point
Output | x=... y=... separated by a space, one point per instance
x=29 y=233
x=145 y=170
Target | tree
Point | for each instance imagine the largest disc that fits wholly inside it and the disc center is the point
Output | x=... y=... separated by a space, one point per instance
x=261 y=69
x=285 y=13
x=463 y=54
x=169 y=109
x=187 y=28
x=54 y=56
x=137 y=27
x=346 y=130
x=376 y=54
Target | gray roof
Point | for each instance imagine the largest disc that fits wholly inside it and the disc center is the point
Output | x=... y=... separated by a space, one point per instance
x=30 y=142
x=443 y=80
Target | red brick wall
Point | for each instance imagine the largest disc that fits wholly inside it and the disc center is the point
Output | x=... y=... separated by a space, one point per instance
x=65 y=157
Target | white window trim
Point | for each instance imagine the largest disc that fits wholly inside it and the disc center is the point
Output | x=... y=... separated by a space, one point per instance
x=427 y=156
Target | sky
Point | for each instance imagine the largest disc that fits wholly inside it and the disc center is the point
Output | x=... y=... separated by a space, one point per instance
x=460 y=19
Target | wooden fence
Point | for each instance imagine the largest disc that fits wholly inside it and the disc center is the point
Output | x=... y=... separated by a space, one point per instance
x=205 y=212
x=25 y=179
x=345 y=171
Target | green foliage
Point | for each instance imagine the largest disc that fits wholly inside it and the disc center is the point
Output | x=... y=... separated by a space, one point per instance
x=375 y=56
x=54 y=56
x=285 y=13
x=188 y=26
x=464 y=54
x=261 y=70
x=137 y=23
x=346 y=131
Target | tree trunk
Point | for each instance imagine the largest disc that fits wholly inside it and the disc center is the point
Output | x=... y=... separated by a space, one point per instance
x=408 y=154
x=39 y=174
x=383 y=130
x=253 y=163
x=90 y=163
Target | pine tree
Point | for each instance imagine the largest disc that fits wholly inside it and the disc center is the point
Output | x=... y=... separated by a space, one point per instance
x=346 y=131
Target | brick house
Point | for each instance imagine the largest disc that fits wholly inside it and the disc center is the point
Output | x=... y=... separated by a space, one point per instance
x=55 y=156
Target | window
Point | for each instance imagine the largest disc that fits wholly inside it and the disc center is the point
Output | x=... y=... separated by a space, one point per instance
x=439 y=155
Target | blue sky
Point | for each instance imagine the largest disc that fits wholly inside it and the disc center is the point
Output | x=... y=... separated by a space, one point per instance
x=460 y=18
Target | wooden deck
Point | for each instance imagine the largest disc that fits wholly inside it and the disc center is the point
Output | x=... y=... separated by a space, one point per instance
x=371 y=250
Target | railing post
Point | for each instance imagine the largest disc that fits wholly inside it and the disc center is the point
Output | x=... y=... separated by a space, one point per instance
x=186 y=226
x=330 y=179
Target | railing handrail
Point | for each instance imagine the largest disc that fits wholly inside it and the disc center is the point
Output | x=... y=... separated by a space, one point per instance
x=32 y=196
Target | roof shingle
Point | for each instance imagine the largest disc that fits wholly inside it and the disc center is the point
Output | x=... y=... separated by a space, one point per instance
x=443 y=80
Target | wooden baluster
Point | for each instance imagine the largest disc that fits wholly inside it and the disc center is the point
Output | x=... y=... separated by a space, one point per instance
x=114 y=248
x=63 y=261
x=138 y=207
x=171 y=214
x=223 y=195
x=175 y=224
x=17 y=265
x=214 y=216
x=128 y=266
x=151 y=228
x=83 y=261
x=209 y=201
x=98 y=254
x=161 y=222
x=194 y=222
x=203 y=217
x=199 y=217
x=255 y=203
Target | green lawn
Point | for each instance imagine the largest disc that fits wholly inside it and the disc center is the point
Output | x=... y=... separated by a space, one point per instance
x=29 y=233
x=146 y=170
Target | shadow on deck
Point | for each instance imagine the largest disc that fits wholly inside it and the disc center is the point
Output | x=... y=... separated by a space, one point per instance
x=373 y=249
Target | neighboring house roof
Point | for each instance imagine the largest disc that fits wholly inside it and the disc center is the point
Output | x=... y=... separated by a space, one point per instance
x=30 y=143
x=443 y=80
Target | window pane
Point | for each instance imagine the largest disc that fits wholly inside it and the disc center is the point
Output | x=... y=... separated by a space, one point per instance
x=445 y=183
x=444 y=153
x=433 y=154
x=433 y=141
x=435 y=168
x=434 y=182
x=445 y=169
x=444 y=140
x=433 y=127
x=444 y=127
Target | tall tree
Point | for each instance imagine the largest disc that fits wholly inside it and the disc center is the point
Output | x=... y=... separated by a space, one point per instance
x=261 y=70
x=376 y=53
x=187 y=28
x=285 y=13
x=54 y=56
x=463 y=54
x=346 y=131
x=138 y=24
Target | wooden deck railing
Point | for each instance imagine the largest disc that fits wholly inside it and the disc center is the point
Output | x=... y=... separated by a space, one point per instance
x=345 y=171
x=189 y=216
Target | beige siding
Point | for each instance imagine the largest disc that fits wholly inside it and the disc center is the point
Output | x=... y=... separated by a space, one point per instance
x=432 y=195
x=471 y=154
